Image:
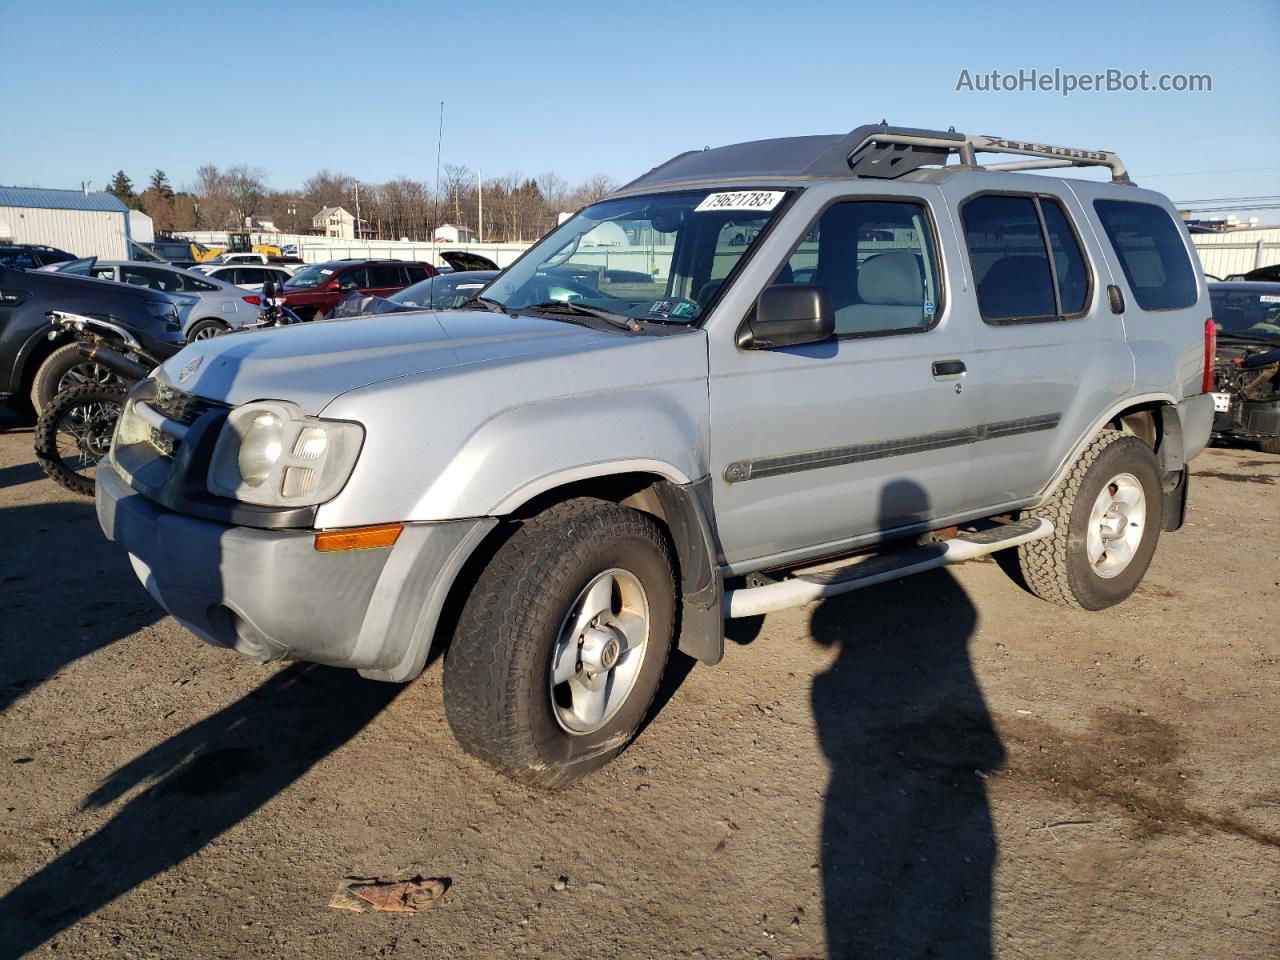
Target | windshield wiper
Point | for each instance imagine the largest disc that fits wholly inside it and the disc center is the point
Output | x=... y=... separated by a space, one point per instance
x=484 y=303
x=581 y=310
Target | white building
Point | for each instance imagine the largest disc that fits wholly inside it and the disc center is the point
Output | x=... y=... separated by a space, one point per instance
x=448 y=233
x=334 y=222
x=83 y=223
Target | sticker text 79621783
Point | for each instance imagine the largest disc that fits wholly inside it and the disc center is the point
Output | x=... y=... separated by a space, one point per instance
x=741 y=200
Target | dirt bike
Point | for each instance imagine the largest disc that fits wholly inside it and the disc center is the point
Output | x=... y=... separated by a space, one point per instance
x=74 y=432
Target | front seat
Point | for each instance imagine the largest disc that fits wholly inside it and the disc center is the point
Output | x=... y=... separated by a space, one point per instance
x=890 y=296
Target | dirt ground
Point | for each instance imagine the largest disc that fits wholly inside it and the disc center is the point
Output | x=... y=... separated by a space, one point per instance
x=943 y=767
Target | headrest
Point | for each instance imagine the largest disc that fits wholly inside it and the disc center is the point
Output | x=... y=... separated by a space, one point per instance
x=891 y=279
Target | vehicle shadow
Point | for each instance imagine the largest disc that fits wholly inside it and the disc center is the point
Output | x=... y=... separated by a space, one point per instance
x=908 y=846
x=199 y=784
x=19 y=474
x=65 y=591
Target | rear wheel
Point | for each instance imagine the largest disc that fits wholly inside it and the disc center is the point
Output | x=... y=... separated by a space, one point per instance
x=74 y=433
x=1107 y=517
x=561 y=644
x=205 y=329
x=65 y=368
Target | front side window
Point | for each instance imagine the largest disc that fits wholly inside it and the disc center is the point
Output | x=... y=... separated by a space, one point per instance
x=354 y=279
x=877 y=260
x=1009 y=239
x=660 y=258
x=1151 y=253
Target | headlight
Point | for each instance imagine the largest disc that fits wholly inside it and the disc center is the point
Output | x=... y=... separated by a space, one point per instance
x=269 y=453
x=167 y=311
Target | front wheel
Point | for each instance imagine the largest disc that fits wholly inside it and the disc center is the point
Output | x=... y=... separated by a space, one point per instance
x=74 y=433
x=1107 y=516
x=560 y=646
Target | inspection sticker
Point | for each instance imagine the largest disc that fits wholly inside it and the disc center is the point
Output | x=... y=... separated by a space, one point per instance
x=741 y=200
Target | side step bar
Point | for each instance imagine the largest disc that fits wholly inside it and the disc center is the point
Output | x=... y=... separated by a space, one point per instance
x=753 y=601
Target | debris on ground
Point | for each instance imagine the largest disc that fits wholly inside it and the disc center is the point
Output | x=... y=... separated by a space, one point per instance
x=366 y=894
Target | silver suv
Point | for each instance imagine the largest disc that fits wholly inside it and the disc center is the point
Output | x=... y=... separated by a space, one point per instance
x=754 y=377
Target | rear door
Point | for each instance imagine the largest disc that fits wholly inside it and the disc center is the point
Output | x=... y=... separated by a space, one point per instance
x=386 y=279
x=1052 y=354
x=817 y=446
x=1166 y=300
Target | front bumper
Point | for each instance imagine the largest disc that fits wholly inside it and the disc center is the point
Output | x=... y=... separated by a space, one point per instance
x=271 y=596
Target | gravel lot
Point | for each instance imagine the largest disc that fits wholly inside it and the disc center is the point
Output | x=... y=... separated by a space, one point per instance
x=942 y=767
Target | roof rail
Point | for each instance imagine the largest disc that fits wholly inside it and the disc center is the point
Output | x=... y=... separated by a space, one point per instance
x=889 y=152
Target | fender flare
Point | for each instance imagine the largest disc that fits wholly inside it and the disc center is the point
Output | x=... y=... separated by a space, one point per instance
x=1166 y=401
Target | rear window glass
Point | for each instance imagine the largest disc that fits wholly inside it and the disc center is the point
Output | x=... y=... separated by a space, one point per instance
x=1151 y=253
x=1010 y=266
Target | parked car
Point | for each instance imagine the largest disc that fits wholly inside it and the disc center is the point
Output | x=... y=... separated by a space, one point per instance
x=1247 y=369
x=549 y=481
x=315 y=290
x=207 y=306
x=1269 y=274
x=31 y=256
x=35 y=367
x=246 y=276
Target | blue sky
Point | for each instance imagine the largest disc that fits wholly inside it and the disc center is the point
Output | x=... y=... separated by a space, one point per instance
x=583 y=88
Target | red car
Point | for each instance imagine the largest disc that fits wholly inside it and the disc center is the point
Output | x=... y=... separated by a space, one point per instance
x=315 y=290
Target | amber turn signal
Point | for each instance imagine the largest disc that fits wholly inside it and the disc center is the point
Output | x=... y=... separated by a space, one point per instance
x=359 y=538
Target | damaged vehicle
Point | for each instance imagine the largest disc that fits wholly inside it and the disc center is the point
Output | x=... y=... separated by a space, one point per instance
x=757 y=376
x=1247 y=369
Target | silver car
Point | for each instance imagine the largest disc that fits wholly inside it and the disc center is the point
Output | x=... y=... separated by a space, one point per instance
x=247 y=276
x=757 y=376
x=207 y=306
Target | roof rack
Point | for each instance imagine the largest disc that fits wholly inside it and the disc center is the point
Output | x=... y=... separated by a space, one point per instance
x=889 y=152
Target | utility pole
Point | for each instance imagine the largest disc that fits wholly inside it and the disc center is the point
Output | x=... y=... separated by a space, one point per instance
x=356 y=185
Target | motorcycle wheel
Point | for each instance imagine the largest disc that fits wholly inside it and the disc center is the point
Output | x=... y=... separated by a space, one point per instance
x=74 y=433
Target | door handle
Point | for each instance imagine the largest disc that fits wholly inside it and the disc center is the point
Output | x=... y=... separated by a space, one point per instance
x=948 y=369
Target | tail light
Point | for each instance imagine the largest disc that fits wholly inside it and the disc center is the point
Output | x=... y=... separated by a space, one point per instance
x=257 y=301
x=1210 y=355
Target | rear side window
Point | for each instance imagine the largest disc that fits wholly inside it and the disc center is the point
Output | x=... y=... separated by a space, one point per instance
x=386 y=276
x=417 y=274
x=20 y=259
x=1009 y=240
x=1151 y=253
x=876 y=259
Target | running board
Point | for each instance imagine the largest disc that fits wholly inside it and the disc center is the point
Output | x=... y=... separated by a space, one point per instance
x=753 y=601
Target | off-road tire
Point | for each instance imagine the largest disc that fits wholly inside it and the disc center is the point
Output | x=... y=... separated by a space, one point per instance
x=1057 y=568
x=46 y=433
x=1271 y=445
x=48 y=376
x=496 y=674
x=216 y=325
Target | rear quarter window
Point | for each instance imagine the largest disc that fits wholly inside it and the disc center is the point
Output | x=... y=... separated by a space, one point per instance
x=1151 y=253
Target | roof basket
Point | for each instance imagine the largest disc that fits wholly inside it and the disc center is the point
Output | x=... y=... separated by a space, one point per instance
x=888 y=152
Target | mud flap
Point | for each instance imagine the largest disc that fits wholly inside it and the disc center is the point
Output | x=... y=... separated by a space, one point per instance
x=1176 y=490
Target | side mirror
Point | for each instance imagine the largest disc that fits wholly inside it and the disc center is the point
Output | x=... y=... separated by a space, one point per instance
x=788 y=314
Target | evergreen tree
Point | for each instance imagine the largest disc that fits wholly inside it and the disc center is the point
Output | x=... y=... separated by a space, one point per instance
x=122 y=188
x=160 y=183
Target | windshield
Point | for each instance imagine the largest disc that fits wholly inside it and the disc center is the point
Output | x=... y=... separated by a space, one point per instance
x=443 y=292
x=1243 y=311
x=660 y=258
x=309 y=277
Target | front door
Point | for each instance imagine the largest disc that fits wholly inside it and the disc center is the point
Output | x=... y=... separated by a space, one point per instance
x=816 y=445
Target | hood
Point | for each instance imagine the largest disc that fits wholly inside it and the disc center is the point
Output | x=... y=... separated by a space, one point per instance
x=464 y=260
x=312 y=363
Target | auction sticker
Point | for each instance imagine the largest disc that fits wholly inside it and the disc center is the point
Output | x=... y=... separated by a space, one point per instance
x=741 y=200
x=1265 y=298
